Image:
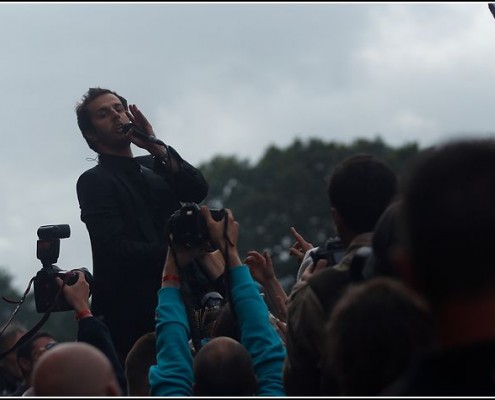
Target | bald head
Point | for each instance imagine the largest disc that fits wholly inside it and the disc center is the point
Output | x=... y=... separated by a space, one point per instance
x=223 y=367
x=74 y=369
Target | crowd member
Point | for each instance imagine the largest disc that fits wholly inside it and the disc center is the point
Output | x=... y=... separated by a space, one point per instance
x=222 y=367
x=10 y=373
x=262 y=270
x=27 y=355
x=74 y=369
x=93 y=338
x=137 y=364
x=299 y=248
x=375 y=330
x=359 y=190
x=448 y=232
x=125 y=202
x=385 y=244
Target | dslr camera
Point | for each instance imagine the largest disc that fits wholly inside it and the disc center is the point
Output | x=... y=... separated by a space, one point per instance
x=45 y=284
x=187 y=225
x=332 y=251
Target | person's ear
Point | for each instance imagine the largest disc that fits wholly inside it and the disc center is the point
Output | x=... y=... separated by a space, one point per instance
x=340 y=226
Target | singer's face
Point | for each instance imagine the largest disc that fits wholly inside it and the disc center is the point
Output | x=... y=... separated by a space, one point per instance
x=108 y=115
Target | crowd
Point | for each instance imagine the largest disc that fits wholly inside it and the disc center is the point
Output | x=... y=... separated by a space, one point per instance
x=404 y=309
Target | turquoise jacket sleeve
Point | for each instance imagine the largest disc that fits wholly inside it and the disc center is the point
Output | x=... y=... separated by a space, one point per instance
x=173 y=374
x=257 y=333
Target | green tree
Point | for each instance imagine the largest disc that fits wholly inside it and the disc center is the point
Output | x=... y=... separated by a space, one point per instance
x=287 y=187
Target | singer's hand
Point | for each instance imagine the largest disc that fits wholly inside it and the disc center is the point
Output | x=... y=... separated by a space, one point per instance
x=139 y=120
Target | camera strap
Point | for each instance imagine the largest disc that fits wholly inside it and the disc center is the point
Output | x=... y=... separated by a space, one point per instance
x=28 y=335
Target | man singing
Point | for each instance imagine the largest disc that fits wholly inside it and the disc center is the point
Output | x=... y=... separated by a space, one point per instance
x=125 y=202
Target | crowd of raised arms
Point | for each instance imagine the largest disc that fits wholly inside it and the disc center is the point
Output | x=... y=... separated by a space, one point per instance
x=403 y=306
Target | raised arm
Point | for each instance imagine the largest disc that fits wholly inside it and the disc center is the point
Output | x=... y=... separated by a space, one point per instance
x=261 y=268
x=173 y=374
x=257 y=334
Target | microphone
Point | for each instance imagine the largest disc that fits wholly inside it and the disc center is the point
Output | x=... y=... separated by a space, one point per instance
x=141 y=134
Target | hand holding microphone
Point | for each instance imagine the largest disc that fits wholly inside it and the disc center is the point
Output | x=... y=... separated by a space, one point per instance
x=141 y=134
x=137 y=119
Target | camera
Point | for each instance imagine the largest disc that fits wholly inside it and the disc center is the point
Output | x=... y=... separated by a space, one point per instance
x=187 y=225
x=332 y=252
x=45 y=284
x=212 y=300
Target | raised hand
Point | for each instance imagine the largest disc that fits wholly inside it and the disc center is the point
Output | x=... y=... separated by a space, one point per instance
x=260 y=266
x=300 y=247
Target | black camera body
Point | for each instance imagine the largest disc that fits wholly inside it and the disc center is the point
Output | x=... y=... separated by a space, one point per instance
x=333 y=251
x=187 y=226
x=46 y=288
x=45 y=284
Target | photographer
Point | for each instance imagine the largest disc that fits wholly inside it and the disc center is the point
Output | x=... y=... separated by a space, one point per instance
x=90 y=330
x=251 y=367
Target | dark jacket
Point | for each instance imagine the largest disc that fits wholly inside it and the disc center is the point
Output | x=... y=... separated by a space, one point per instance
x=463 y=371
x=125 y=204
x=91 y=330
x=309 y=306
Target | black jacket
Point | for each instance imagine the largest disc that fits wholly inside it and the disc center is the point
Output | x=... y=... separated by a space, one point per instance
x=125 y=204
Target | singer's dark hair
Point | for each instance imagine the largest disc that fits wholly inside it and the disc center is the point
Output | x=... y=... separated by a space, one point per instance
x=82 y=113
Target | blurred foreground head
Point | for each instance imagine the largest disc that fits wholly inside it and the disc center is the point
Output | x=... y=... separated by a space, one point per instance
x=74 y=369
x=449 y=220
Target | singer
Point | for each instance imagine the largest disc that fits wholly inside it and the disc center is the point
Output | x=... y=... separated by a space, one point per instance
x=125 y=202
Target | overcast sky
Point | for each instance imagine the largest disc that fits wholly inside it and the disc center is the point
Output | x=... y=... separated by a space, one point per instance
x=224 y=79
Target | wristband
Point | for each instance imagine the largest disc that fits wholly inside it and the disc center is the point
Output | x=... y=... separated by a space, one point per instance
x=82 y=314
x=170 y=278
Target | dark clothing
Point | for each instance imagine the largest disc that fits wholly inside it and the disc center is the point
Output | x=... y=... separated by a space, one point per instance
x=19 y=391
x=308 y=309
x=92 y=331
x=465 y=371
x=125 y=204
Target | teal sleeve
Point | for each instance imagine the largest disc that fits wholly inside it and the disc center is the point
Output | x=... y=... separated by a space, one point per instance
x=173 y=374
x=257 y=333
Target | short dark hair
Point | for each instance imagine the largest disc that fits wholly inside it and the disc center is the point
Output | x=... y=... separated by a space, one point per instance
x=449 y=218
x=82 y=113
x=360 y=188
x=224 y=368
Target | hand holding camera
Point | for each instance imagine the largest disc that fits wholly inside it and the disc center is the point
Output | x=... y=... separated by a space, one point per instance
x=187 y=227
x=223 y=235
x=76 y=293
